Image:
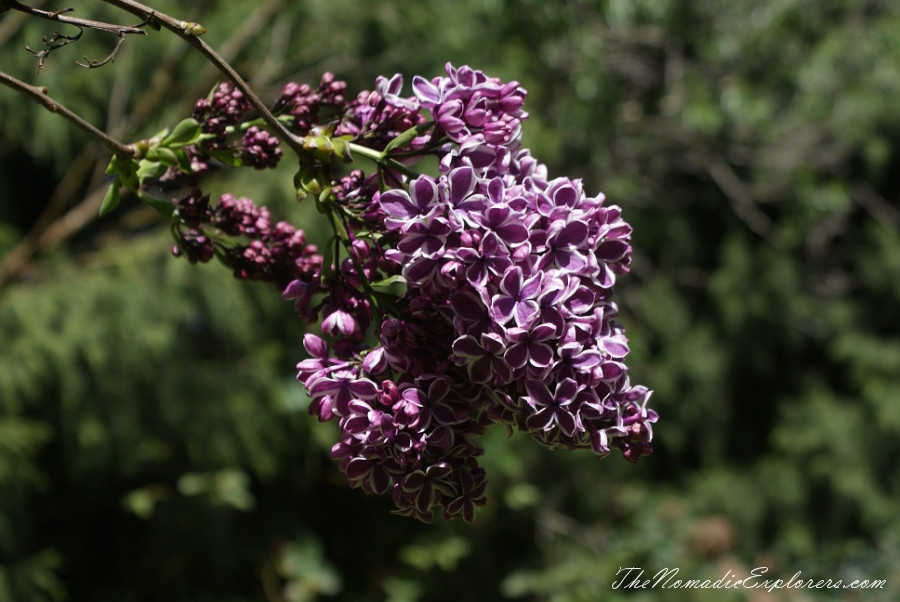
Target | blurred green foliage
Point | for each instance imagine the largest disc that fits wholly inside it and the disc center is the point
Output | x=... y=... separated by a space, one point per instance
x=154 y=444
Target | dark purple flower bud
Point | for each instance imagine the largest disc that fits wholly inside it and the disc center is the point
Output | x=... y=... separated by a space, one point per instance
x=259 y=149
x=194 y=209
x=196 y=246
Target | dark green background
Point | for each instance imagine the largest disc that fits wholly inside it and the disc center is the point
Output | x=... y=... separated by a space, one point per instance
x=153 y=441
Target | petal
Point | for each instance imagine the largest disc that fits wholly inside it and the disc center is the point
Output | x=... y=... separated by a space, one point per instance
x=541 y=355
x=423 y=192
x=573 y=234
x=513 y=233
x=567 y=422
x=397 y=203
x=426 y=92
x=364 y=388
x=615 y=347
x=421 y=270
x=541 y=420
x=467 y=347
x=516 y=356
x=526 y=312
x=462 y=182
x=512 y=281
x=468 y=306
x=566 y=390
x=502 y=308
x=538 y=393
x=612 y=250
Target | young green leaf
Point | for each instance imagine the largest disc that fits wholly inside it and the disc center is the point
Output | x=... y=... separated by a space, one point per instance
x=111 y=198
x=164 y=206
x=407 y=137
x=389 y=284
x=150 y=170
x=167 y=156
x=185 y=133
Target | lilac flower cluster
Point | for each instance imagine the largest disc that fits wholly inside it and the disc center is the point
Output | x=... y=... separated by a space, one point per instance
x=505 y=313
x=224 y=108
x=277 y=254
x=471 y=107
x=224 y=111
x=379 y=116
x=305 y=104
x=507 y=316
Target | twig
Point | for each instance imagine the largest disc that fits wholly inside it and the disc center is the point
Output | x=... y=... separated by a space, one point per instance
x=741 y=201
x=40 y=95
x=58 y=40
x=190 y=32
x=60 y=17
x=876 y=205
x=73 y=220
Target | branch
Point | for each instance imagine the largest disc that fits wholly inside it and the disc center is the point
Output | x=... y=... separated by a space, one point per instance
x=39 y=94
x=875 y=205
x=60 y=17
x=58 y=40
x=742 y=202
x=49 y=236
x=190 y=32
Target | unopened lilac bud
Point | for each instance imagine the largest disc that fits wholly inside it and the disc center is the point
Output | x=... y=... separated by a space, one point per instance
x=359 y=250
x=315 y=346
x=389 y=393
x=375 y=362
x=340 y=322
x=294 y=290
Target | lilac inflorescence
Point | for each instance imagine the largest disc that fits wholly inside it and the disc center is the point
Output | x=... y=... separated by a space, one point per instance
x=259 y=149
x=379 y=116
x=225 y=108
x=276 y=253
x=507 y=316
x=504 y=313
x=305 y=104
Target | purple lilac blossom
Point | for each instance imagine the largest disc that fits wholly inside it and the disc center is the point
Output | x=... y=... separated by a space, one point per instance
x=507 y=316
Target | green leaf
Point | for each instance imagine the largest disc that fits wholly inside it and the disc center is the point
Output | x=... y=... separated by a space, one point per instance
x=111 y=198
x=150 y=169
x=164 y=206
x=407 y=137
x=167 y=156
x=226 y=157
x=388 y=284
x=113 y=166
x=130 y=180
x=185 y=133
x=342 y=149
